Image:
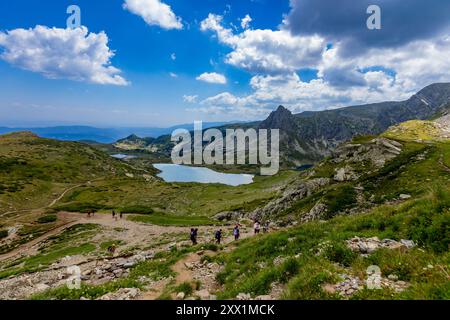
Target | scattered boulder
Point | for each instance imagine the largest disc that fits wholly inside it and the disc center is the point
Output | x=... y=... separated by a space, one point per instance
x=243 y=296
x=202 y=294
x=345 y=174
x=121 y=294
x=180 y=296
x=378 y=152
x=369 y=245
x=292 y=194
x=316 y=213
x=228 y=216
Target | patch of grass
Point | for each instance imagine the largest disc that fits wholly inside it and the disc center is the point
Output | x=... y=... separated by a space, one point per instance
x=340 y=199
x=47 y=218
x=185 y=287
x=137 y=210
x=72 y=241
x=82 y=207
x=105 y=245
x=338 y=252
x=249 y=268
x=170 y=220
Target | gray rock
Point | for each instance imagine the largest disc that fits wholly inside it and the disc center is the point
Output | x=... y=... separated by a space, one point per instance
x=202 y=294
x=243 y=296
x=293 y=193
x=181 y=296
x=228 y=215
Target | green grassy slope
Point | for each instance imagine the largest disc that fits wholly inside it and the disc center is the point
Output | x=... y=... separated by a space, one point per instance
x=34 y=170
x=307 y=268
x=315 y=254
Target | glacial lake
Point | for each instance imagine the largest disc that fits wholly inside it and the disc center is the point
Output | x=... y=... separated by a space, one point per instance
x=123 y=156
x=180 y=173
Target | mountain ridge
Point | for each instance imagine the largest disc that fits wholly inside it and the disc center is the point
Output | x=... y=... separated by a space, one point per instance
x=311 y=136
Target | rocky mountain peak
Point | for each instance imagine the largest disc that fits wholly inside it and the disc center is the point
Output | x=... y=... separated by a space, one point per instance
x=435 y=94
x=281 y=118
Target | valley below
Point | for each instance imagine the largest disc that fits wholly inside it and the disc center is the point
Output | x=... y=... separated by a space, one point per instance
x=370 y=219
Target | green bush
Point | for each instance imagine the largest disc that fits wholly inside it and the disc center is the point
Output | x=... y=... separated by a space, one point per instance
x=339 y=200
x=430 y=225
x=47 y=219
x=137 y=210
x=185 y=287
x=289 y=269
x=82 y=207
x=341 y=254
x=3 y=234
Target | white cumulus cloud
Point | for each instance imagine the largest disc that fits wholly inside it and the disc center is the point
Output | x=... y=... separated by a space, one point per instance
x=277 y=57
x=266 y=50
x=245 y=22
x=154 y=13
x=73 y=54
x=212 y=77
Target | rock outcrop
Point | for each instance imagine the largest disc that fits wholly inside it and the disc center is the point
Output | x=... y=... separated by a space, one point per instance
x=378 y=152
x=316 y=213
x=291 y=194
x=369 y=245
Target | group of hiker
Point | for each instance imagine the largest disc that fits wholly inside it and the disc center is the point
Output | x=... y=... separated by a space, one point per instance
x=218 y=234
x=116 y=216
x=257 y=227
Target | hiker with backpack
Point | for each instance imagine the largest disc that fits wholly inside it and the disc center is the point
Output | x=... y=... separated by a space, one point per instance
x=218 y=236
x=194 y=236
x=266 y=227
x=257 y=227
x=236 y=232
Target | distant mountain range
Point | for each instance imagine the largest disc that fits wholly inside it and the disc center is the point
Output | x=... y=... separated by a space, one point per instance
x=310 y=136
x=305 y=138
x=102 y=135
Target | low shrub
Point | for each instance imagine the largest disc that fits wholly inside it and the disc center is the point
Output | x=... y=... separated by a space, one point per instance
x=47 y=219
x=185 y=287
x=341 y=254
x=3 y=234
x=137 y=210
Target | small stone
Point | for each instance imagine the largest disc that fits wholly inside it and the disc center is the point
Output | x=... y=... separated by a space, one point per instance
x=408 y=243
x=243 y=296
x=129 y=265
x=202 y=294
x=393 y=277
x=87 y=272
x=181 y=296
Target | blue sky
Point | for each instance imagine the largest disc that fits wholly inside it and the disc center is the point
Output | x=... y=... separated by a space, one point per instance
x=199 y=60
